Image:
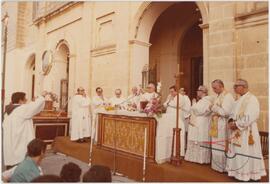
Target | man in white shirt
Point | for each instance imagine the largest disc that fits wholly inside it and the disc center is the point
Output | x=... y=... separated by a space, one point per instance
x=117 y=100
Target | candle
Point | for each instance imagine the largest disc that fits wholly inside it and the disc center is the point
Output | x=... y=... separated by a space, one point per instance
x=144 y=153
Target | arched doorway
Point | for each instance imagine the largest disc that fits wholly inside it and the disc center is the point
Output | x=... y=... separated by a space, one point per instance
x=176 y=38
x=30 y=76
x=62 y=67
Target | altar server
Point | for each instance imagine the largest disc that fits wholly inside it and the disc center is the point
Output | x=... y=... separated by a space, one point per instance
x=187 y=105
x=221 y=109
x=198 y=128
x=118 y=100
x=244 y=137
x=80 y=118
x=18 y=128
x=170 y=105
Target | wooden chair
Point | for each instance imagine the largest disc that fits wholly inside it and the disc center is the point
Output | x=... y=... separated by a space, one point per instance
x=264 y=143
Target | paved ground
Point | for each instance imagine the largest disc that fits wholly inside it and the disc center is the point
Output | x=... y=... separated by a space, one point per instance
x=53 y=163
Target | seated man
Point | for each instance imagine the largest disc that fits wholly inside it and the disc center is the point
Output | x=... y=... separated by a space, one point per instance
x=98 y=173
x=117 y=100
x=28 y=169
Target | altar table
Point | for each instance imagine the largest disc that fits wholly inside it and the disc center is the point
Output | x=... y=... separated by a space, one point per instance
x=123 y=132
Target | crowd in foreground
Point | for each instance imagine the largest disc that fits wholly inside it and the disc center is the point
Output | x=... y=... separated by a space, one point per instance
x=29 y=169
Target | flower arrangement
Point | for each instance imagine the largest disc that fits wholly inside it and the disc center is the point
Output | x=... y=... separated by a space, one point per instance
x=50 y=96
x=153 y=108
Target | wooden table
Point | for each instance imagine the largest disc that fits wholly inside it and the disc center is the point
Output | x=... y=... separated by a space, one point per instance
x=47 y=128
x=125 y=134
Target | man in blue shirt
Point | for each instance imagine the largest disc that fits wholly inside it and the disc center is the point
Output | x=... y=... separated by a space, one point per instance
x=28 y=169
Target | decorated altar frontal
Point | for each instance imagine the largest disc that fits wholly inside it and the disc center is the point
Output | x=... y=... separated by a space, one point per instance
x=126 y=132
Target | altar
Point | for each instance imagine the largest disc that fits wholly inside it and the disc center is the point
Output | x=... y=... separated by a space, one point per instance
x=123 y=132
x=127 y=134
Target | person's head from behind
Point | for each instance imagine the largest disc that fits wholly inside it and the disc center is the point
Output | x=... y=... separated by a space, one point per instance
x=99 y=91
x=18 y=98
x=218 y=86
x=98 y=173
x=71 y=172
x=36 y=150
x=173 y=91
x=50 y=178
x=118 y=93
x=151 y=87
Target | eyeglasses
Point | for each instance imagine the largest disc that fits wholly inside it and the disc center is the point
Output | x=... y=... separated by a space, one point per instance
x=236 y=85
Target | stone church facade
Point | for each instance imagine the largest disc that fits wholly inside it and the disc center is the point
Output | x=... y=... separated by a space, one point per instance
x=110 y=44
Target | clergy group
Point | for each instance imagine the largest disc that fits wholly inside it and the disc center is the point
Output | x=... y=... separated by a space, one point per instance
x=219 y=129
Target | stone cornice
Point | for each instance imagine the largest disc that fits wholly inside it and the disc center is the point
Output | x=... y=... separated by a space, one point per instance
x=103 y=50
x=257 y=17
x=138 y=42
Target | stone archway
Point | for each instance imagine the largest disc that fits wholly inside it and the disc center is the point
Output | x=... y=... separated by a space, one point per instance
x=142 y=26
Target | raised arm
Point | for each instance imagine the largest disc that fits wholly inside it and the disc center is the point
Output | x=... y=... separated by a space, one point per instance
x=34 y=107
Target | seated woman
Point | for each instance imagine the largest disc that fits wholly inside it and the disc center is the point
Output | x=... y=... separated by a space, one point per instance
x=199 y=123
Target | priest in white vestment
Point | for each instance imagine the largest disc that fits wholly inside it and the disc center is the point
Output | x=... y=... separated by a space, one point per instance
x=147 y=96
x=198 y=128
x=244 y=137
x=166 y=124
x=98 y=103
x=80 y=118
x=18 y=128
x=118 y=100
x=221 y=109
x=133 y=100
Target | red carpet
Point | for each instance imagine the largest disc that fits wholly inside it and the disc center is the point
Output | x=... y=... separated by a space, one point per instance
x=132 y=168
